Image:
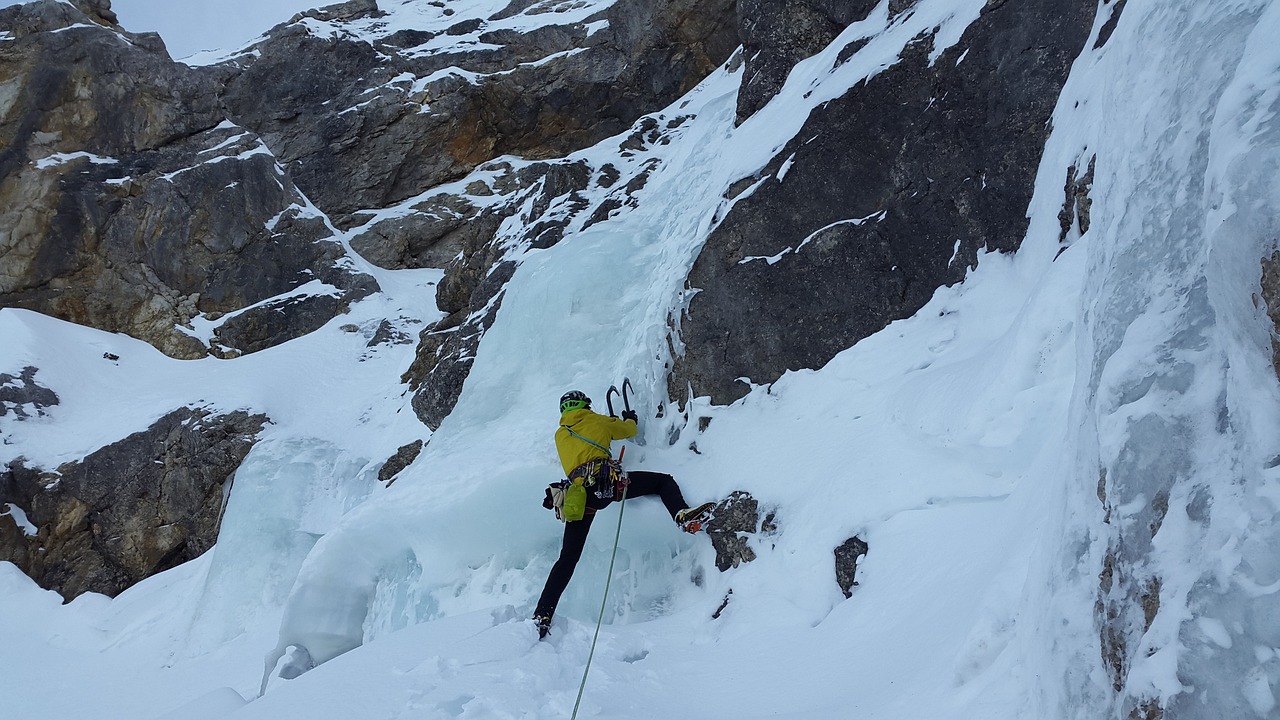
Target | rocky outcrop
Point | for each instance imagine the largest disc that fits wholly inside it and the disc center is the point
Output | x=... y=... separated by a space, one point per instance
x=1129 y=587
x=847 y=554
x=23 y=396
x=891 y=191
x=328 y=93
x=128 y=202
x=402 y=459
x=735 y=520
x=130 y=510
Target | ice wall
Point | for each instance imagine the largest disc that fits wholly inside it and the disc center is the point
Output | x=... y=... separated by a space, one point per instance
x=286 y=495
x=1176 y=400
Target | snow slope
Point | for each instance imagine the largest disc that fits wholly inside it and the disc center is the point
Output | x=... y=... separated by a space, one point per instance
x=964 y=445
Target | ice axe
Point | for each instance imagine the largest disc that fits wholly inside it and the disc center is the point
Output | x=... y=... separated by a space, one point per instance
x=626 y=399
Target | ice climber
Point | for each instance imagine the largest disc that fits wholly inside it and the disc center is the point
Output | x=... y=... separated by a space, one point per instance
x=583 y=441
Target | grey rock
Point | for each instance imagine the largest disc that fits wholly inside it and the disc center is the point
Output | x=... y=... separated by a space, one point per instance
x=735 y=519
x=277 y=321
x=898 y=7
x=445 y=353
x=892 y=191
x=130 y=510
x=22 y=395
x=777 y=34
x=728 y=596
x=847 y=555
x=402 y=459
x=389 y=334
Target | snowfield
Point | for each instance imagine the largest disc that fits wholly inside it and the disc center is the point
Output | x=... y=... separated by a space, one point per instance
x=964 y=445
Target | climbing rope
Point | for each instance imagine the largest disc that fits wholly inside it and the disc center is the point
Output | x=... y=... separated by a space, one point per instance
x=603 y=601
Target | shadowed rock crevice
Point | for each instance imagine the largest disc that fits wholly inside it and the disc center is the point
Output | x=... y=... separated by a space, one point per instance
x=1114 y=8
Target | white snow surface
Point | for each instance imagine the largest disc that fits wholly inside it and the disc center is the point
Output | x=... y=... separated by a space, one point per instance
x=964 y=445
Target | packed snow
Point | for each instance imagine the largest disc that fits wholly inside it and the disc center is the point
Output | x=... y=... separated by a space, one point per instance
x=964 y=445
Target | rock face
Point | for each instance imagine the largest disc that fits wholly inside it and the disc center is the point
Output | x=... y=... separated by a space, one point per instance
x=890 y=193
x=332 y=90
x=129 y=203
x=134 y=508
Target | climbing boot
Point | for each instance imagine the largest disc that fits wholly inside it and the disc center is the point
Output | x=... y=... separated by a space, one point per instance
x=691 y=520
x=544 y=625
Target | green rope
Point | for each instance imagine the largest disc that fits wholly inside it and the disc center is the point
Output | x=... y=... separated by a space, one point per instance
x=608 y=578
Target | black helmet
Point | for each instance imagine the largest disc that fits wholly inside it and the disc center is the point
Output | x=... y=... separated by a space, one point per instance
x=574 y=400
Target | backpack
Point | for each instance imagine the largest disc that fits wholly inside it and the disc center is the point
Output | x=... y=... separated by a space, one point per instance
x=555 y=498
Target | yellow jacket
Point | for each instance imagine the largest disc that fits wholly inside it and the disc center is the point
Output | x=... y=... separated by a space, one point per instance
x=598 y=428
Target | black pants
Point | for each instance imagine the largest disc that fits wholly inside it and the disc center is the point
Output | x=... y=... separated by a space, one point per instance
x=575 y=533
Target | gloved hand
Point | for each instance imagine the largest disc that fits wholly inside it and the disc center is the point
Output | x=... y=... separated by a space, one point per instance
x=630 y=415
